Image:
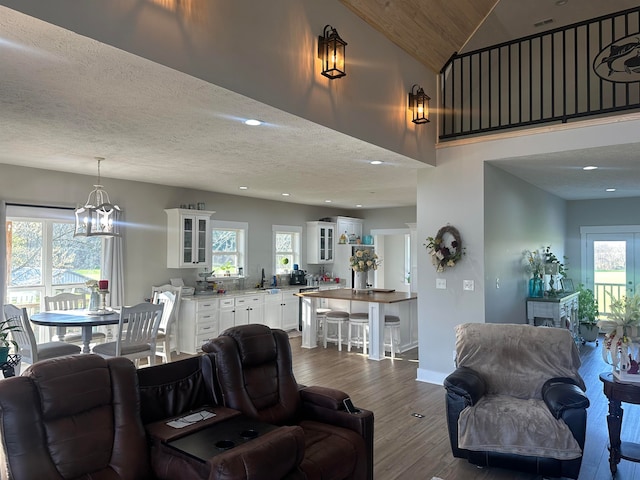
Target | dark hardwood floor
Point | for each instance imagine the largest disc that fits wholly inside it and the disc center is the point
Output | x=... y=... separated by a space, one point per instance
x=410 y=448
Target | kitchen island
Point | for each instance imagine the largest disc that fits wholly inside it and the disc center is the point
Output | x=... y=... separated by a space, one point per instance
x=376 y=303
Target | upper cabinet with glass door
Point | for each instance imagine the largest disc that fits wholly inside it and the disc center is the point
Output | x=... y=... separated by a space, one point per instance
x=188 y=238
x=320 y=242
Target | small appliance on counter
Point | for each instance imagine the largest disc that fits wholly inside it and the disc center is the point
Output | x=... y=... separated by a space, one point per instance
x=297 y=277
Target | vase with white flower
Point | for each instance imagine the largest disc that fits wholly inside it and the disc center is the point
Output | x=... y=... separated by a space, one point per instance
x=535 y=265
x=362 y=262
x=621 y=345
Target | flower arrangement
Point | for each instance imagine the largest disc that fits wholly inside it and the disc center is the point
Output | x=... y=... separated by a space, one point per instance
x=92 y=285
x=445 y=248
x=364 y=260
x=538 y=262
x=534 y=262
x=621 y=330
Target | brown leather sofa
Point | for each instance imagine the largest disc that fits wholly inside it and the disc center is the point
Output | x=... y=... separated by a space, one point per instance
x=253 y=373
x=178 y=388
x=73 y=417
x=83 y=417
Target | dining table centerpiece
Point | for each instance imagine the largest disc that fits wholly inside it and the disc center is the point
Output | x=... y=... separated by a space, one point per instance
x=94 y=296
x=621 y=347
x=361 y=262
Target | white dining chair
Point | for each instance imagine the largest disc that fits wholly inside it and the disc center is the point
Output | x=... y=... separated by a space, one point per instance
x=71 y=301
x=137 y=332
x=163 y=339
x=175 y=322
x=28 y=349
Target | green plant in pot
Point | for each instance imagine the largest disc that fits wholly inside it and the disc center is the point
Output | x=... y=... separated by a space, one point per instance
x=588 y=314
x=5 y=343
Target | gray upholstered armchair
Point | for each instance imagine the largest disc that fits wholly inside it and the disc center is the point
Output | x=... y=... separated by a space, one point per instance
x=516 y=399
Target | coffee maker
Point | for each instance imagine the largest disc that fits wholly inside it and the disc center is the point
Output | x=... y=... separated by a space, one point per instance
x=297 y=277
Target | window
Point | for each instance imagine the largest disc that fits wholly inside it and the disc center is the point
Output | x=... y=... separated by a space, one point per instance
x=228 y=251
x=286 y=242
x=44 y=258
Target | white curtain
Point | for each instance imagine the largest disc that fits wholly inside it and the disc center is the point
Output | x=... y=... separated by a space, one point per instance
x=113 y=269
x=3 y=252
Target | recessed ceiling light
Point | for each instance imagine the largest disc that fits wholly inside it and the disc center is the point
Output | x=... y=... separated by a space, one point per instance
x=375 y=162
x=327 y=201
x=590 y=167
x=253 y=122
x=560 y=3
x=242 y=187
x=610 y=190
x=359 y=206
x=286 y=194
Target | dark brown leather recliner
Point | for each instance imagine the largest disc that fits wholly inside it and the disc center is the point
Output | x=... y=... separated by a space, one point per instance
x=73 y=417
x=177 y=388
x=253 y=373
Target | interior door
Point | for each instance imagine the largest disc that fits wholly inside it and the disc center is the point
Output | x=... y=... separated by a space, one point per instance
x=612 y=266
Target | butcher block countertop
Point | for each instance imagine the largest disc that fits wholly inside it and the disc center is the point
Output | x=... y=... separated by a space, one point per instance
x=371 y=296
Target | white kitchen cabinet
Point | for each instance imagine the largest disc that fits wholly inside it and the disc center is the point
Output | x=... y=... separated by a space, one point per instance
x=321 y=242
x=249 y=309
x=241 y=310
x=290 y=309
x=273 y=310
x=348 y=226
x=198 y=323
x=227 y=313
x=188 y=238
x=281 y=310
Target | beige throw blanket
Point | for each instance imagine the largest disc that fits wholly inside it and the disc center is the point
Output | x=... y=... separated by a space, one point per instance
x=515 y=361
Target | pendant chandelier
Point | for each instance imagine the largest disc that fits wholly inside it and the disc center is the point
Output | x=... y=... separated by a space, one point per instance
x=98 y=217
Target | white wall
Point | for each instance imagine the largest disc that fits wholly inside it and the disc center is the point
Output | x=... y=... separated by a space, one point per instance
x=518 y=216
x=451 y=193
x=268 y=52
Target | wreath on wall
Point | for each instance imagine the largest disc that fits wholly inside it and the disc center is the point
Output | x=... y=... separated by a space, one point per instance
x=445 y=248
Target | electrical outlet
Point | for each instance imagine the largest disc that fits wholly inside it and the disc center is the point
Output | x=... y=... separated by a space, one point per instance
x=468 y=285
x=441 y=283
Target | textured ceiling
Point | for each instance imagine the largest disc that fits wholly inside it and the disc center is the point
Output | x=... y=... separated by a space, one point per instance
x=65 y=99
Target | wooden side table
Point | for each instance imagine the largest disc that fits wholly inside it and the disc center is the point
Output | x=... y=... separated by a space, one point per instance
x=617 y=393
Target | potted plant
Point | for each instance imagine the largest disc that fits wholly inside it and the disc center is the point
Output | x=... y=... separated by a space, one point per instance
x=587 y=314
x=5 y=343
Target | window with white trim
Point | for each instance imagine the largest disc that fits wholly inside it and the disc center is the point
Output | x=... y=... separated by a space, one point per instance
x=44 y=258
x=228 y=248
x=286 y=247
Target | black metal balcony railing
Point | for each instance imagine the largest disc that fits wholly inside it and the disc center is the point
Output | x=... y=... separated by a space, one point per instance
x=588 y=68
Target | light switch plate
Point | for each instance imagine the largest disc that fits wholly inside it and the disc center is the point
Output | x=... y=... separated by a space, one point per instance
x=468 y=285
x=441 y=283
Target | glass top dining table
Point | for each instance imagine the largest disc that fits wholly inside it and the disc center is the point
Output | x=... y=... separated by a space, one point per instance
x=61 y=319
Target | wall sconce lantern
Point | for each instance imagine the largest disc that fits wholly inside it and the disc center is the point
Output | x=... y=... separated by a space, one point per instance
x=419 y=104
x=331 y=51
x=98 y=217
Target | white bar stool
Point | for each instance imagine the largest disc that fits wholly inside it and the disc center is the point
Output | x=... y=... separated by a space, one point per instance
x=320 y=314
x=337 y=318
x=360 y=322
x=392 y=325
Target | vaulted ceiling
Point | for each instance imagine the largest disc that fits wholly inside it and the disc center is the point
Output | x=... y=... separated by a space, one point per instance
x=429 y=31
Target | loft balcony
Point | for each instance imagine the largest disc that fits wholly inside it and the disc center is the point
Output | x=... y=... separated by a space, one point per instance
x=585 y=69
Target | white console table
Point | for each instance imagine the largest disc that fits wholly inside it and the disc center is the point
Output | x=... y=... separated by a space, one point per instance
x=561 y=309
